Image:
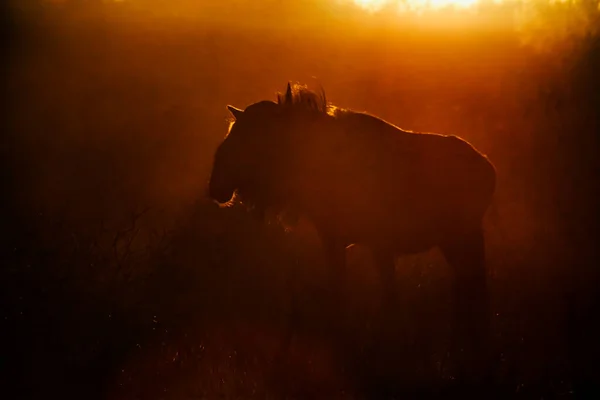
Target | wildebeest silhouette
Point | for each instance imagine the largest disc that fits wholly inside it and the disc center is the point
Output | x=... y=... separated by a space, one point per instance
x=362 y=180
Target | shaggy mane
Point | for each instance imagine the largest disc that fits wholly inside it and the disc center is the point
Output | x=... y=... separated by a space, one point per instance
x=304 y=99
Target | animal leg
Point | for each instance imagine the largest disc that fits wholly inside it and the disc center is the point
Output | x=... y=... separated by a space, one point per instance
x=336 y=258
x=385 y=261
x=335 y=253
x=466 y=255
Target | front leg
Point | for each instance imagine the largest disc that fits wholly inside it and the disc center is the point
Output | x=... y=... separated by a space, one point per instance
x=335 y=252
x=385 y=261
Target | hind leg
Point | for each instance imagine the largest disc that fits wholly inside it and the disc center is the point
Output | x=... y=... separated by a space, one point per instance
x=387 y=274
x=465 y=252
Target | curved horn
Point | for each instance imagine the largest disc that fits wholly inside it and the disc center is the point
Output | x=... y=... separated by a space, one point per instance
x=288 y=94
x=236 y=112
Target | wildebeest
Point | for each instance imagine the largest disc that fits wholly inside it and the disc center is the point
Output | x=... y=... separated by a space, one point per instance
x=362 y=180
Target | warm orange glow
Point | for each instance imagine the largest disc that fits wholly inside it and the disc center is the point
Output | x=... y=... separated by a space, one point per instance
x=415 y=5
x=371 y=4
x=420 y=6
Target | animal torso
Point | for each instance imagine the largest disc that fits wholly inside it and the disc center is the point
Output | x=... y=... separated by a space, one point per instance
x=367 y=181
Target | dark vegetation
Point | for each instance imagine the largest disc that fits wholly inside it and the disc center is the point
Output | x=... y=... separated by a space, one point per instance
x=121 y=280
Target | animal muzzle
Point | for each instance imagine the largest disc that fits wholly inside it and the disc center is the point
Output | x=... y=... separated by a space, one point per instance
x=220 y=193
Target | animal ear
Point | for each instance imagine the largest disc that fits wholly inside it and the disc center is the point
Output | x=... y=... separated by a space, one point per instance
x=288 y=94
x=236 y=112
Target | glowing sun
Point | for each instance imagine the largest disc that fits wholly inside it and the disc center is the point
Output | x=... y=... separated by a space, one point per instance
x=415 y=5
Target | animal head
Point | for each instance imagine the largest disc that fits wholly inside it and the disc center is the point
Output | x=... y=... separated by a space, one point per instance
x=239 y=157
x=250 y=160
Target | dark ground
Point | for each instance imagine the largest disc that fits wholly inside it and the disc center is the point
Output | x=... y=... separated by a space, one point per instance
x=121 y=280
